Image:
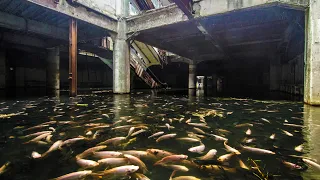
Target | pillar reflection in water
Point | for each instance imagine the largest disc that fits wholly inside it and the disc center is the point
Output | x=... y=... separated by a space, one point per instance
x=312 y=134
x=191 y=95
x=121 y=103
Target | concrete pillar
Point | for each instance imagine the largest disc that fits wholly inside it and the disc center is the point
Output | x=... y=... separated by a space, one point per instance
x=73 y=55
x=2 y=68
x=53 y=70
x=121 y=52
x=312 y=55
x=275 y=72
x=192 y=75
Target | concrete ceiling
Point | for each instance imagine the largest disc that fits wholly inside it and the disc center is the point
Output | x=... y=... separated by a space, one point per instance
x=249 y=33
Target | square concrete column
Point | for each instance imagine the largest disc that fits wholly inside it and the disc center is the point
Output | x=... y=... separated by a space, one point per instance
x=192 y=75
x=121 y=51
x=53 y=69
x=312 y=55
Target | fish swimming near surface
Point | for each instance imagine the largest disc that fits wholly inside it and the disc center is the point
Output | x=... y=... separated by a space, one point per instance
x=90 y=151
x=38 y=138
x=231 y=149
x=74 y=175
x=299 y=148
x=159 y=153
x=248 y=132
x=257 y=150
x=187 y=139
x=272 y=136
x=136 y=161
x=291 y=165
x=209 y=155
x=156 y=134
x=140 y=154
x=87 y=163
x=172 y=158
x=139 y=176
x=114 y=141
x=218 y=138
x=35 y=155
x=166 y=136
x=286 y=132
x=226 y=157
x=197 y=149
x=119 y=171
x=4 y=167
x=176 y=167
x=113 y=161
x=54 y=147
x=106 y=154
x=311 y=163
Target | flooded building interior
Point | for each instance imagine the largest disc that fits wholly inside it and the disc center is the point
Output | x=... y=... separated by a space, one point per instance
x=159 y=89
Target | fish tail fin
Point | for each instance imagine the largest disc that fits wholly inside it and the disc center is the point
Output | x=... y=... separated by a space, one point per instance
x=172 y=174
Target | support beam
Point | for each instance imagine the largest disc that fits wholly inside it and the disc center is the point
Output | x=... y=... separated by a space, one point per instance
x=25 y=25
x=312 y=55
x=121 y=53
x=73 y=52
x=2 y=67
x=53 y=70
x=172 y=14
x=192 y=75
x=79 y=13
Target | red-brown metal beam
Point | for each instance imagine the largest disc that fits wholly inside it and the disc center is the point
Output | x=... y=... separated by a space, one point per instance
x=73 y=52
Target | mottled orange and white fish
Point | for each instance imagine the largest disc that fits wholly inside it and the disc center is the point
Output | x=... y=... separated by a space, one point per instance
x=172 y=158
x=87 y=163
x=74 y=175
x=136 y=161
x=209 y=155
x=231 y=149
x=160 y=153
x=156 y=134
x=166 y=136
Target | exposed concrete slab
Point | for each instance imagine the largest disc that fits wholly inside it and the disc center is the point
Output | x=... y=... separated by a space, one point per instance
x=203 y=8
x=80 y=13
x=312 y=55
x=17 y=23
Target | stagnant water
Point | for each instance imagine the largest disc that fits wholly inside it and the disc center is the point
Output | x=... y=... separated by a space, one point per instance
x=101 y=116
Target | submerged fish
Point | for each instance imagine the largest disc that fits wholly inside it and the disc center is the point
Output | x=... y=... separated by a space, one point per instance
x=242 y=165
x=114 y=141
x=71 y=141
x=231 y=149
x=35 y=155
x=159 y=153
x=204 y=125
x=291 y=165
x=272 y=136
x=257 y=150
x=87 y=163
x=119 y=171
x=136 y=161
x=299 y=148
x=172 y=158
x=54 y=147
x=198 y=130
x=286 y=132
x=248 y=132
x=187 y=139
x=138 y=176
x=36 y=134
x=218 y=138
x=138 y=132
x=185 y=178
x=113 y=161
x=209 y=155
x=177 y=167
x=107 y=154
x=4 y=167
x=38 y=138
x=130 y=131
x=74 y=175
x=225 y=157
x=90 y=151
x=311 y=163
x=166 y=136
x=243 y=125
x=197 y=149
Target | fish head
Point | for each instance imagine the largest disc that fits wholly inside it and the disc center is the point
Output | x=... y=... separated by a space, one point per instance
x=132 y=169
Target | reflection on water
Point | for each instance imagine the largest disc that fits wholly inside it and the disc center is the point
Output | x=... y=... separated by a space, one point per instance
x=283 y=131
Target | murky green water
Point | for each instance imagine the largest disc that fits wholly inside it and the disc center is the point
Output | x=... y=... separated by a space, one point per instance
x=103 y=113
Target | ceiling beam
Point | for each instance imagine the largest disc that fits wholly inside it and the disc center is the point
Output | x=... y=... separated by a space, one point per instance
x=172 y=14
x=78 y=12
